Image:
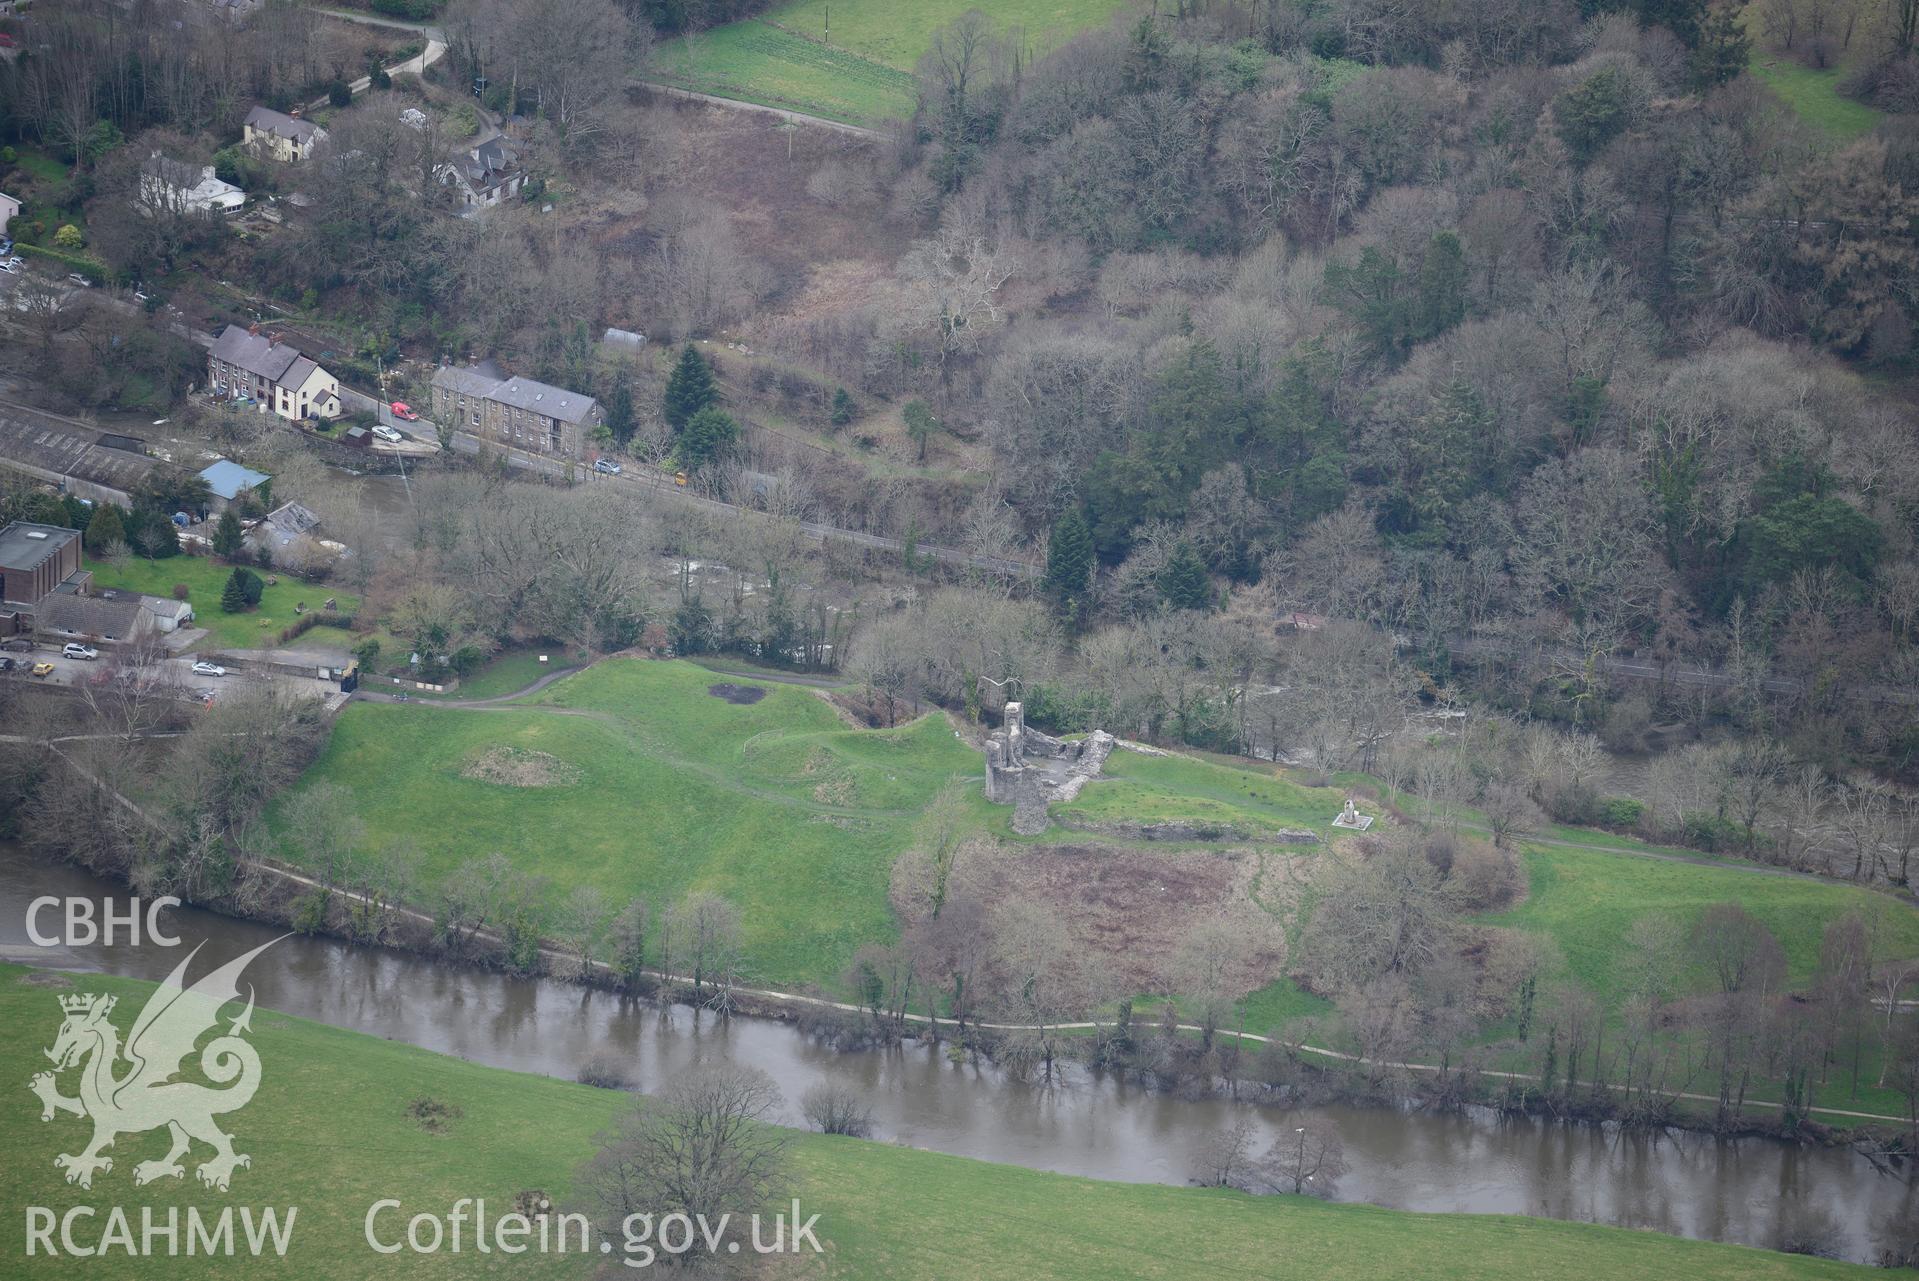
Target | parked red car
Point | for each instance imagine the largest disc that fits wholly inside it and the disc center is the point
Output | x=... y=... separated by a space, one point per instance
x=9 y=42
x=404 y=412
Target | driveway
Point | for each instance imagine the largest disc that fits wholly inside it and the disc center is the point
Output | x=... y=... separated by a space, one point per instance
x=173 y=673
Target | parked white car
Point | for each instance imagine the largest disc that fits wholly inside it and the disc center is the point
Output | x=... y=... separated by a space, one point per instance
x=11 y=267
x=204 y=668
x=74 y=649
x=386 y=433
x=606 y=466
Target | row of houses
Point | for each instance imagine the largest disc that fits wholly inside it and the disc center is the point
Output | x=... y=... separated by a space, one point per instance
x=246 y=364
x=521 y=413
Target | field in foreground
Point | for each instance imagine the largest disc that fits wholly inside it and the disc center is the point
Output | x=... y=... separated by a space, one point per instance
x=329 y=1132
x=863 y=75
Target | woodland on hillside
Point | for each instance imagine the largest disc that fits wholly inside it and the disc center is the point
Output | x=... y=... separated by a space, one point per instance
x=1490 y=346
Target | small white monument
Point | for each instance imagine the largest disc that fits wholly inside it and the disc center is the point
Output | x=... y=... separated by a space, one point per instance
x=1351 y=819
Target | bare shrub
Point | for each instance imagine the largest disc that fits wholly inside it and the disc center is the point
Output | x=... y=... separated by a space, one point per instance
x=1484 y=876
x=837 y=1109
x=606 y=1072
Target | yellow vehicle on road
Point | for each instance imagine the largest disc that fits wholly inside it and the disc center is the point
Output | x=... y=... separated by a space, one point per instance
x=43 y=669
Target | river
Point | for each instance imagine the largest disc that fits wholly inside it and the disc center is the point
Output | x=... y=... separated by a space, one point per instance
x=1475 y=1161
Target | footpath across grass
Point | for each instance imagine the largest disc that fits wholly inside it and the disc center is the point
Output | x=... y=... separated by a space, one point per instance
x=205 y=577
x=756 y=62
x=330 y=1132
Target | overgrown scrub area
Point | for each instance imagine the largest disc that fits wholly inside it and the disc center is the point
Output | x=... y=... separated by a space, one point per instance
x=505 y=1132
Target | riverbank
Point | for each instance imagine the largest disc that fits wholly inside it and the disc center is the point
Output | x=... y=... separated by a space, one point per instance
x=1097 y=1124
x=1271 y=1067
x=330 y=1131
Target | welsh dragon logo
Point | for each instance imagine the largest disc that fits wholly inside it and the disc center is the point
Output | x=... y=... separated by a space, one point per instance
x=146 y=1096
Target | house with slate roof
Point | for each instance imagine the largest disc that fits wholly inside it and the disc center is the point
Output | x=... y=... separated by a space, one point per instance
x=485 y=176
x=276 y=135
x=245 y=363
x=516 y=412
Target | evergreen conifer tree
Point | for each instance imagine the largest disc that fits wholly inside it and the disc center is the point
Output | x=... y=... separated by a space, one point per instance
x=690 y=389
x=227 y=538
x=1069 y=560
x=233 y=597
x=1184 y=583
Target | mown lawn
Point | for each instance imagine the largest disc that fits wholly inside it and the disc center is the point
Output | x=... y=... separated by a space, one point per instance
x=205 y=577
x=1587 y=903
x=329 y=1132
x=1138 y=788
x=505 y=673
x=864 y=75
x=1814 y=96
x=897 y=32
x=755 y=62
x=38 y=163
x=777 y=805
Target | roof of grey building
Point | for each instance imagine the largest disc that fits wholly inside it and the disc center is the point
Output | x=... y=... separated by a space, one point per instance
x=465 y=382
x=256 y=353
x=166 y=606
x=293 y=519
x=299 y=371
x=227 y=478
x=293 y=129
x=25 y=547
x=518 y=393
x=91 y=615
x=60 y=447
x=540 y=398
x=175 y=173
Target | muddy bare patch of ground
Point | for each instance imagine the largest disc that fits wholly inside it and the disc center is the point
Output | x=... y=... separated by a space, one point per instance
x=1135 y=908
x=520 y=767
x=738 y=695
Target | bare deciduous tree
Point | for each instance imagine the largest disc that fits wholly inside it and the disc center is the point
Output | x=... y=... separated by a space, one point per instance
x=703 y=1148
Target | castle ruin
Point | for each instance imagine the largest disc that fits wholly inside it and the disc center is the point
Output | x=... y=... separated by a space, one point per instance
x=1029 y=770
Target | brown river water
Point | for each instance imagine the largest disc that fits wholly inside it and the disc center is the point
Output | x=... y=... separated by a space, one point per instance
x=1476 y=1161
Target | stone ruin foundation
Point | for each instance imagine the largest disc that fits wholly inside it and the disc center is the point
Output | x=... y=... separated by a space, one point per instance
x=1030 y=770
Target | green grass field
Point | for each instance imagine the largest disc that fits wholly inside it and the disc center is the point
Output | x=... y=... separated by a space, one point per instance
x=754 y=62
x=1814 y=96
x=1135 y=788
x=329 y=1132
x=777 y=805
x=1588 y=901
x=864 y=75
x=797 y=819
x=505 y=673
x=204 y=577
x=38 y=163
